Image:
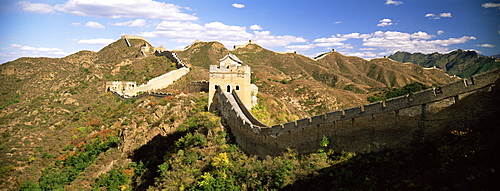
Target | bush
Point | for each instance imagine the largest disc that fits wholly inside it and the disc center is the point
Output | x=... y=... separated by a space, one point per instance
x=396 y=92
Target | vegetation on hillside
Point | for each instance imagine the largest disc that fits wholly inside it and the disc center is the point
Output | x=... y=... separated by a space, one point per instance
x=59 y=130
x=396 y=92
x=459 y=62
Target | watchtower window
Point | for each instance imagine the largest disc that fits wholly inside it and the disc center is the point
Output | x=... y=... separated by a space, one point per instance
x=228 y=89
x=237 y=87
x=216 y=86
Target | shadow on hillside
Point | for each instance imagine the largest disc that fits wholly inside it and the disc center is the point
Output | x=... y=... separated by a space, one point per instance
x=151 y=155
x=463 y=157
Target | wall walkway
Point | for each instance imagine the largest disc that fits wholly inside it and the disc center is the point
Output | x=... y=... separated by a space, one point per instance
x=162 y=81
x=386 y=124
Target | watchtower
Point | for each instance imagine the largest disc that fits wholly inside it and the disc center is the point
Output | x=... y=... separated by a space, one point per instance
x=230 y=75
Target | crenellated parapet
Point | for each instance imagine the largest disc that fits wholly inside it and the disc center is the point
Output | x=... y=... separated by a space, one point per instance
x=384 y=124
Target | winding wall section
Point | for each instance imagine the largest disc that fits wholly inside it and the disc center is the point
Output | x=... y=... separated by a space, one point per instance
x=392 y=123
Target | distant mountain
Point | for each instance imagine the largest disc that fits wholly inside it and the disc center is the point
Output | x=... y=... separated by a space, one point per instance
x=495 y=56
x=459 y=62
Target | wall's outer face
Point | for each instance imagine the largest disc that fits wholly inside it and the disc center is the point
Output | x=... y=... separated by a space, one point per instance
x=196 y=86
x=388 y=124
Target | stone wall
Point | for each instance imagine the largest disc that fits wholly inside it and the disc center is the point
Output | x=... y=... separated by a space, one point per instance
x=162 y=81
x=130 y=89
x=197 y=86
x=172 y=56
x=392 y=123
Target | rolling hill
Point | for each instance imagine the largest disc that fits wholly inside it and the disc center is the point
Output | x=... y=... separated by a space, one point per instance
x=60 y=129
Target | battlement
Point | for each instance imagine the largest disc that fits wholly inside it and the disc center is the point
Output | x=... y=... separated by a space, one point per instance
x=304 y=134
x=229 y=69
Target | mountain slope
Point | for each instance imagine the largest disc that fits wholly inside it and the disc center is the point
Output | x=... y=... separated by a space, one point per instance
x=292 y=86
x=49 y=105
x=458 y=62
x=55 y=110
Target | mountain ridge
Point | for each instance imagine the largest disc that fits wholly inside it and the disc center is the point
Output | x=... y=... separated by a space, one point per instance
x=459 y=62
x=51 y=105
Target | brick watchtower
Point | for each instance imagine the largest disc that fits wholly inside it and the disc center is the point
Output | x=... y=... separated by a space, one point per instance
x=230 y=75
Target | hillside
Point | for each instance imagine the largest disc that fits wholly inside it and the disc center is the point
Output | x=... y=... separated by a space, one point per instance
x=292 y=86
x=458 y=62
x=60 y=129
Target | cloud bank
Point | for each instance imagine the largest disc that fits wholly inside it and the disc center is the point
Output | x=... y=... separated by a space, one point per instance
x=113 y=9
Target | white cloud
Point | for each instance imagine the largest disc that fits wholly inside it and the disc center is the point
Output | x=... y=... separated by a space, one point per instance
x=434 y=16
x=305 y=47
x=430 y=15
x=15 y=51
x=95 y=25
x=355 y=35
x=75 y=24
x=37 y=51
x=491 y=5
x=97 y=41
x=265 y=39
x=385 y=22
x=486 y=45
x=134 y=23
x=229 y=35
x=114 y=9
x=445 y=15
x=416 y=42
x=36 y=7
x=389 y=42
x=239 y=6
x=391 y=2
x=362 y=54
x=329 y=42
x=256 y=27
x=440 y=32
x=367 y=49
x=337 y=22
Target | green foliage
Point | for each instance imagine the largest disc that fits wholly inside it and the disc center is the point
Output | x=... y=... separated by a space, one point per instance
x=253 y=80
x=324 y=141
x=190 y=140
x=325 y=77
x=354 y=88
x=201 y=162
x=9 y=100
x=396 y=92
x=260 y=112
x=70 y=165
x=5 y=170
x=113 y=180
x=30 y=185
x=86 y=71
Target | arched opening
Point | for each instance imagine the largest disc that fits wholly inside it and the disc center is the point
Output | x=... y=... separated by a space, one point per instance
x=228 y=89
x=216 y=86
x=237 y=87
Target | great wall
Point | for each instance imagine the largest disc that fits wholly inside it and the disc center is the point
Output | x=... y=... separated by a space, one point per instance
x=130 y=89
x=392 y=123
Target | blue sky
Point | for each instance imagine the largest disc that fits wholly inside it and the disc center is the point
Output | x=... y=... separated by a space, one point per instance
x=364 y=28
